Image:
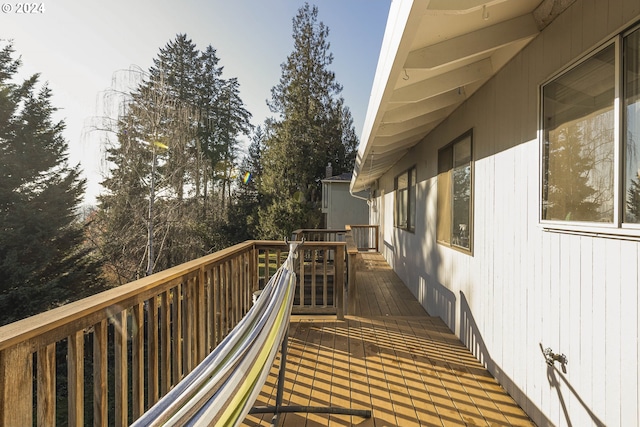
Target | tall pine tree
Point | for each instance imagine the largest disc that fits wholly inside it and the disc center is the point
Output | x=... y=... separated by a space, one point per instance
x=43 y=259
x=243 y=212
x=313 y=128
x=169 y=185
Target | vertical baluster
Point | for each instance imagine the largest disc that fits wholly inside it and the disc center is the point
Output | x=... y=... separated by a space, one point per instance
x=75 y=375
x=231 y=302
x=377 y=238
x=228 y=279
x=325 y=279
x=137 y=361
x=121 y=382
x=176 y=325
x=255 y=259
x=338 y=282
x=301 y=280
x=240 y=285
x=152 y=349
x=46 y=388
x=165 y=343
x=216 y=306
x=200 y=304
x=223 y=300
x=210 y=344
x=267 y=266
x=188 y=324
x=246 y=272
x=314 y=256
x=193 y=308
x=100 y=374
x=237 y=289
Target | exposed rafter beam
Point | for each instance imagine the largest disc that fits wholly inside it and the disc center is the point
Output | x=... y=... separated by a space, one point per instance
x=444 y=82
x=549 y=10
x=395 y=148
x=425 y=107
x=476 y=42
x=388 y=129
x=415 y=134
x=378 y=163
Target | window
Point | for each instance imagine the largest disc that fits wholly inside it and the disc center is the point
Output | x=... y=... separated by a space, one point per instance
x=591 y=141
x=405 y=212
x=455 y=195
x=325 y=196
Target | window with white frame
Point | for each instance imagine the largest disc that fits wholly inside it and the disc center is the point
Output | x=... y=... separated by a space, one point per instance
x=591 y=139
x=455 y=193
x=405 y=209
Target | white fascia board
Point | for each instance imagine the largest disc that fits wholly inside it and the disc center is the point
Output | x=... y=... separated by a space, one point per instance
x=402 y=24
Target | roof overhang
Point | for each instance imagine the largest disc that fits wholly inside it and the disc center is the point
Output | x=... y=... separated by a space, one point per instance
x=435 y=54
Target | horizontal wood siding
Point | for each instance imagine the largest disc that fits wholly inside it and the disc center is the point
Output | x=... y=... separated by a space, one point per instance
x=525 y=289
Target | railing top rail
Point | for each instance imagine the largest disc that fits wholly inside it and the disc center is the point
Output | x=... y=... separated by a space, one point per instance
x=319 y=230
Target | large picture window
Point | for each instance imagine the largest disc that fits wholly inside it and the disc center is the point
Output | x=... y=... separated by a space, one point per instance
x=455 y=195
x=591 y=141
x=405 y=186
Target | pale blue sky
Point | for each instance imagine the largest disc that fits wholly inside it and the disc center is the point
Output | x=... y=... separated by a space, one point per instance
x=77 y=46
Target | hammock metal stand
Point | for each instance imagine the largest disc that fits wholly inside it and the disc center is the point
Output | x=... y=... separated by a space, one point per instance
x=279 y=408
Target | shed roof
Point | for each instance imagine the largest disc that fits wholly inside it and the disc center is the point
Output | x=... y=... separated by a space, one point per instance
x=343 y=177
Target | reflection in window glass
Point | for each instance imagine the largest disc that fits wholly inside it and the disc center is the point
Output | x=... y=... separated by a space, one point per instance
x=462 y=193
x=578 y=150
x=455 y=194
x=405 y=185
x=632 y=130
x=411 y=219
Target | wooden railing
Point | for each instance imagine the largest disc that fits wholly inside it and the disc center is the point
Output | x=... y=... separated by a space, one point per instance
x=365 y=237
x=111 y=356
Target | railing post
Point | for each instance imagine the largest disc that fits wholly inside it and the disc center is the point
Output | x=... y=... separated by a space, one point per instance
x=351 y=285
x=16 y=386
x=339 y=282
x=352 y=253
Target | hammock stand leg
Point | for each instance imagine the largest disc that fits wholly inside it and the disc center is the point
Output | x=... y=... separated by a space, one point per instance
x=280 y=409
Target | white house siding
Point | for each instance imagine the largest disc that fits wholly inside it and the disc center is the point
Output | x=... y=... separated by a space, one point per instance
x=524 y=287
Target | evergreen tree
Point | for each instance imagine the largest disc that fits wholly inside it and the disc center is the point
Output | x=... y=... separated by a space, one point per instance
x=243 y=213
x=43 y=258
x=570 y=188
x=313 y=128
x=632 y=213
x=173 y=163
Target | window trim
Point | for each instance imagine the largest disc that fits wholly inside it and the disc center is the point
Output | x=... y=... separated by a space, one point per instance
x=411 y=209
x=450 y=244
x=617 y=228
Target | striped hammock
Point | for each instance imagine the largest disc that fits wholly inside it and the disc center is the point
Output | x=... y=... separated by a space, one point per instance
x=221 y=390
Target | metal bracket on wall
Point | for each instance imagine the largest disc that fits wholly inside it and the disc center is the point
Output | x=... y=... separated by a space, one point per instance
x=552 y=357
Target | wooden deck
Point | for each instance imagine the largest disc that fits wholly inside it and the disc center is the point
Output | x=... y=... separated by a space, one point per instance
x=392 y=358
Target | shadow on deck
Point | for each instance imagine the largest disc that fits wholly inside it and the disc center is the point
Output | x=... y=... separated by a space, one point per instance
x=391 y=357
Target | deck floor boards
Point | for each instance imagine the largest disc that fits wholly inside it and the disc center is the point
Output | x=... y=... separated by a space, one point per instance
x=390 y=357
